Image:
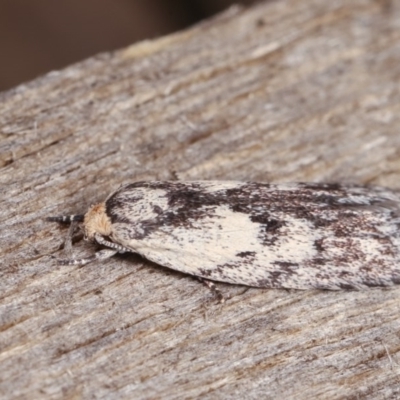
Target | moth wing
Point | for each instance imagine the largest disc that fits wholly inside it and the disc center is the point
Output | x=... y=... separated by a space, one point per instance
x=278 y=236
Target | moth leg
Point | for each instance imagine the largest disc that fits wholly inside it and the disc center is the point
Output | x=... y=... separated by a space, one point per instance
x=68 y=239
x=98 y=256
x=115 y=246
x=66 y=219
x=213 y=288
x=174 y=175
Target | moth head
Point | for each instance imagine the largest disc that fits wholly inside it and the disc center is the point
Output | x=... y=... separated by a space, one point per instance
x=96 y=221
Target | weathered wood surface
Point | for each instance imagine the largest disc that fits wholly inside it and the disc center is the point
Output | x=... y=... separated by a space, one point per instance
x=285 y=91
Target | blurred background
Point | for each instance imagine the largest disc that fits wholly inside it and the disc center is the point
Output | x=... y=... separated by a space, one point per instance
x=43 y=35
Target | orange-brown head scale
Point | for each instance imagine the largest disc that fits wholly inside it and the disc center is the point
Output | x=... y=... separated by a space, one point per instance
x=97 y=221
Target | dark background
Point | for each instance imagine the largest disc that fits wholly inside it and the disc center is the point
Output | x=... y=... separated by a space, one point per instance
x=37 y=36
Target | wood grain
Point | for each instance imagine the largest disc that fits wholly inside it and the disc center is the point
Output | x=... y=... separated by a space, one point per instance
x=283 y=91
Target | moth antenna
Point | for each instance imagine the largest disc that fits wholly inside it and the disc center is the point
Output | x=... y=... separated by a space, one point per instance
x=66 y=219
x=98 y=256
x=120 y=249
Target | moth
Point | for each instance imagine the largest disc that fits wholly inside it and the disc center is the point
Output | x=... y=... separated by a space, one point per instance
x=290 y=235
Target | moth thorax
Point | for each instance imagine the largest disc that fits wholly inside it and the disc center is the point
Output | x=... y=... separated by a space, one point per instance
x=97 y=221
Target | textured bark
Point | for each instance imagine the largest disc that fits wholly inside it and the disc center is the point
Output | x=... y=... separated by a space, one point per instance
x=284 y=91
